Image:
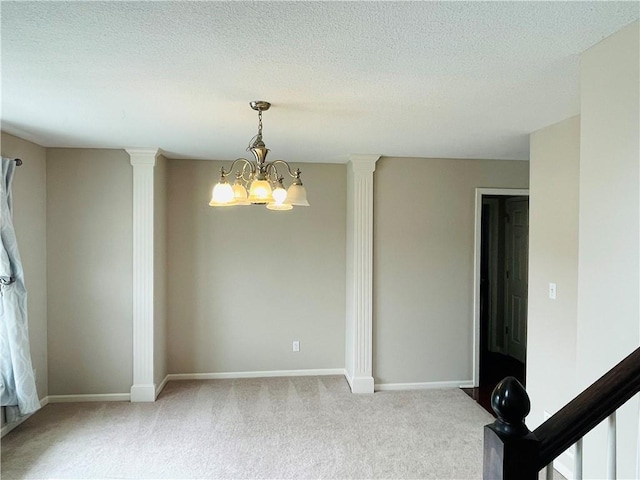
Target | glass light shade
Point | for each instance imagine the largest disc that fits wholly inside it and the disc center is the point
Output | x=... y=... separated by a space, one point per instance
x=240 y=194
x=222 y=195
x=279 y=195
x=279 y=206
x=260 y=192
x=297 y=195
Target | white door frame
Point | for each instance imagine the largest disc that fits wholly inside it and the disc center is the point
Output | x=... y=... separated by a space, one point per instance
x=480 y=192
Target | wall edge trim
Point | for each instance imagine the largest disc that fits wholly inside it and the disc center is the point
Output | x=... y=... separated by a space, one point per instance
x=163 y=384
x=379 y=387
x=6 y=428
x=90 y=397
x=257 y=374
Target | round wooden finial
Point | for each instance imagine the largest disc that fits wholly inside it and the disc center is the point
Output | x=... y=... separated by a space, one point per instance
x=511 y=403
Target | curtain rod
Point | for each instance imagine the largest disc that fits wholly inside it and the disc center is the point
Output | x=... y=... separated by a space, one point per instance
x=18 y=162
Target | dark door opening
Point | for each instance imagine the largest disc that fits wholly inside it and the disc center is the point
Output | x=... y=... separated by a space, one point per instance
x=503 y=293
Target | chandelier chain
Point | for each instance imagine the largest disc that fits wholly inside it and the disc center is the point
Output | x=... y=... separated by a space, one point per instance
x=260 y=123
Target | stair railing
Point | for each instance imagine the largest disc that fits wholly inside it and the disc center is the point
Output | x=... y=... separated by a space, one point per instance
x=513 y=452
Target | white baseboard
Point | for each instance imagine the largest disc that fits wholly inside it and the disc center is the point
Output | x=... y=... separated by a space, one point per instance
x=264 y=374
x=98 y=397
x=163 y=383
x=424 y=385
x=6 y=428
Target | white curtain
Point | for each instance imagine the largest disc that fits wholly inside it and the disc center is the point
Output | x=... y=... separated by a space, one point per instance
x=18 y=387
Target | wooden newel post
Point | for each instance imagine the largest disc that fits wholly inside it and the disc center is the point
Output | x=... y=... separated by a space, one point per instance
x=510 y=448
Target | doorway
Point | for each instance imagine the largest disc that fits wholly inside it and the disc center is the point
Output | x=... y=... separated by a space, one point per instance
x=501 y=283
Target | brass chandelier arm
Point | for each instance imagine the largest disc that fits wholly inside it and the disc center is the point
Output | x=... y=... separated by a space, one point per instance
x=246 y=173
x=291 y=173
x=269 y=168
x=233 y=165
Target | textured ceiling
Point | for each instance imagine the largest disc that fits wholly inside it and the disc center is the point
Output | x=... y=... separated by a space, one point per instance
x=421 y=79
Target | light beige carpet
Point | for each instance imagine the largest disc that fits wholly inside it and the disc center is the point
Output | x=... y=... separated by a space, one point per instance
x=304 y=427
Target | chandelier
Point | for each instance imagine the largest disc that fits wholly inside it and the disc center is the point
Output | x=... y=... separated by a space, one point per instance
x=261 y=178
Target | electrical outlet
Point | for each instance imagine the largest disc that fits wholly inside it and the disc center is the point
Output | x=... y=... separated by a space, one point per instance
x=552 y=291
x=296 y=346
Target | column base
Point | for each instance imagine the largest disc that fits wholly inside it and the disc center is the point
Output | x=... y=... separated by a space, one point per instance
x=143 y=393
x=362 y=385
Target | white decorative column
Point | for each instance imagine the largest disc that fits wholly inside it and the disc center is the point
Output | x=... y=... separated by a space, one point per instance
x=143 y=162
x=359 y=335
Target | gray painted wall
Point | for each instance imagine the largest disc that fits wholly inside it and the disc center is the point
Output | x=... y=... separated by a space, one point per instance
x=244 y=282
x=30 y=222
x=89 y=271
x=424 y=214
x=553 y=257
x=609 y=263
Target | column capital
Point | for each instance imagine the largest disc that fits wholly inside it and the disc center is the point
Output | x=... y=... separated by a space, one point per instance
x=143 y=156
x=363 y=163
